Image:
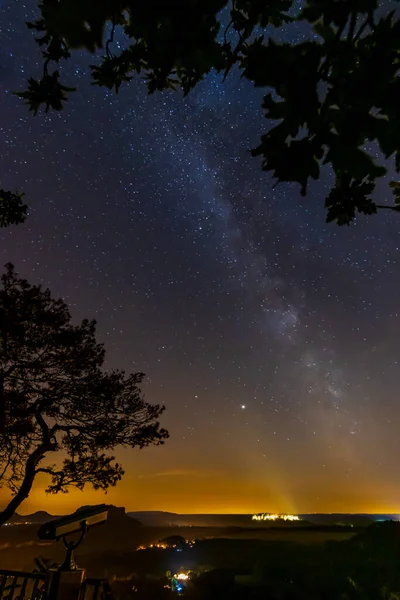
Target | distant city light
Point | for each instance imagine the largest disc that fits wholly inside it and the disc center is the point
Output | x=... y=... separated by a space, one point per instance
x=164 y=546
x=274 y=517
x=160 y=546
x=242 y=406
x=179 y=581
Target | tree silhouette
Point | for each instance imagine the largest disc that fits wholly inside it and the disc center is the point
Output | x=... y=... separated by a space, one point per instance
x=12 y=209
x=55 y=396
x=327 y=97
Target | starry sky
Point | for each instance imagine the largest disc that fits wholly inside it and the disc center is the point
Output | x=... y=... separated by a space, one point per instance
x=271 y=337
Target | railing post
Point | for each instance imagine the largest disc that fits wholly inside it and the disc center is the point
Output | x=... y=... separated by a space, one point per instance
x=65 y=585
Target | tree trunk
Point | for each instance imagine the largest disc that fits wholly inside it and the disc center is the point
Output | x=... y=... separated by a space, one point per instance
x=2 y=406
x=26 y=485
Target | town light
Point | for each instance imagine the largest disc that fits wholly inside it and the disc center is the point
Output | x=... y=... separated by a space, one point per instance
x=274 y=517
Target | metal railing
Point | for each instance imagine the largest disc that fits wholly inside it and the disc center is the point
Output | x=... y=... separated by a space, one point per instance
x=95 y=589
x=17 y=585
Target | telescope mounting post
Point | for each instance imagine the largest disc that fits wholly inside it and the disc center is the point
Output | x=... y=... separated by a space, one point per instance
x=69 y=563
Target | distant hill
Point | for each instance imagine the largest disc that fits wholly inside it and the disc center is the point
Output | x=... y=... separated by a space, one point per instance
x=168 y=519
x=384 y=535
x=159 y=518
x=155 y=518
x=39 y=517
x=116 y=516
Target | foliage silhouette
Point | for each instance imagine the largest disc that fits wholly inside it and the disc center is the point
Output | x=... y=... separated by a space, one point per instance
x=12 y=209
x=55 y=396
x=364 y=567
x=327 y=98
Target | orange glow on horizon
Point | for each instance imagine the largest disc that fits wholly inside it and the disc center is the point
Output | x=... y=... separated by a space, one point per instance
x=163 y=480
x=207 y=495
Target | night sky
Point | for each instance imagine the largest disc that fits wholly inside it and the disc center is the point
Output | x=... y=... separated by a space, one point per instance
x=272 y=338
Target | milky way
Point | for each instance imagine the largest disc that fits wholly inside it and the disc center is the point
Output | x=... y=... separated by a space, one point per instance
x=271 y=337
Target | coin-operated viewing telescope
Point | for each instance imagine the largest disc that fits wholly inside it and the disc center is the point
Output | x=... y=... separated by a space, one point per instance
x=77 y=523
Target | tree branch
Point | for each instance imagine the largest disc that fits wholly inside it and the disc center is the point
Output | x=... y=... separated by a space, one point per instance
x=48 y=471
x=110 y=41
x=2 y=406
x=27 y=482
x=8 y=462
x=396 y=208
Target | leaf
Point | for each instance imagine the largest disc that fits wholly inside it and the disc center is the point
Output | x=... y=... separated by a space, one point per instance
x=48 y=91
x=336 y=12
x=348 y=197
x=259 y=12
x=325 y=31
x=346 y=158
x=293 y=162
x=111 y=73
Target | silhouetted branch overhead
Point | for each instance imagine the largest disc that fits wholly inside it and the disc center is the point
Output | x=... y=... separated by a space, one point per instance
x=327 y=97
